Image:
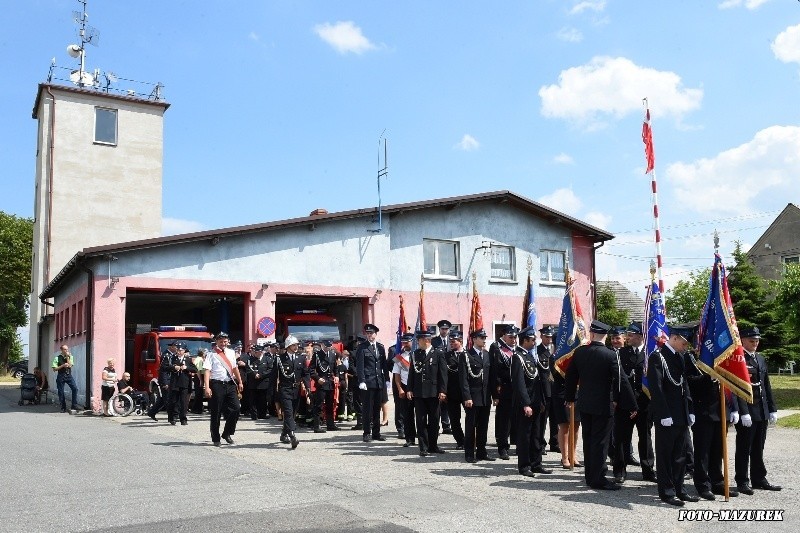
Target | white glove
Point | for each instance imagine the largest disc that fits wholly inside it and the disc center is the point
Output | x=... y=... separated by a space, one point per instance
x=691 y=419
x=733 y=417
x=666 y=422
x=362 y=386
x=746 y=421
x=388 y=384
x=773 y=418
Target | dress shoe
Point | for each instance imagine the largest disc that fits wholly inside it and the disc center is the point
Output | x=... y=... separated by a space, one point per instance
x=333 y=427
x=379 y=438
x=471 y=460
x=285 y=439
x=745 y=488
x=367 y=438
x=719 y=490
x=578 y=464
x=447 y=431
x=253 y=417
x=401 y=435
x=184 y=423
x=688 y=475
x=649 y=476
x=555 y=449
x=632 y=461
x=358 y=426
x=216 y=443
x=766 y=485
x=320 y=430
x=686 y=497
x=619 y=480
x=459 y=446
x=527 y=473
x=541 y=470
x=566 y=466
x=707 y=495
x=266 y=416
x=672 y=500
x=608 y=486
x=228 y=439
x=153 y=416
x=424 y=454
x=406 y=444
x=486 y=458
x=294 y=441
x=503 y=455
x=172 y=422
x=438 y=450
x=64 y=410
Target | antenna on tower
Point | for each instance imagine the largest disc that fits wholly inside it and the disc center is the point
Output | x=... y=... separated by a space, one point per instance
x=87 y=35
x=383 y=172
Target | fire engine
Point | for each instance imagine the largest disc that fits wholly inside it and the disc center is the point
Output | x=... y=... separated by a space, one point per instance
x=310 y=325
x=149 y=347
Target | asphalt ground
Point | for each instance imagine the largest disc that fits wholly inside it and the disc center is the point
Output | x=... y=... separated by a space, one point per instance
x=64 y=472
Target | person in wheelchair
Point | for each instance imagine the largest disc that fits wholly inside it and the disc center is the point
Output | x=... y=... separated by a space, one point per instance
x=140 y=399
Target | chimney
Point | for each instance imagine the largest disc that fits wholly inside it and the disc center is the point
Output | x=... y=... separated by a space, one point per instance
x=318 y=212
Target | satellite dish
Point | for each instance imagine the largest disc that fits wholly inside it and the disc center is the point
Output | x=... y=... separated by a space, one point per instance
x=74 y=51
x=81 y=78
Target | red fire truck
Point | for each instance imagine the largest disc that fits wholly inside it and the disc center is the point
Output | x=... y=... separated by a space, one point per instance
x=148 y=348
x=310 y=325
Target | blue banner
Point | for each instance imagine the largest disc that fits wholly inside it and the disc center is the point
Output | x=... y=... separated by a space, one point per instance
x=655 y=324
x=529 y=318
x=571 y=330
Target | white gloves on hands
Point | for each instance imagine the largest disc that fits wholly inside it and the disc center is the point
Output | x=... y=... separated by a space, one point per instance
x=773 y=418
x=733 y=417
x=691 y=419
x=666 y=422
x=362 y=386
x=746 y=421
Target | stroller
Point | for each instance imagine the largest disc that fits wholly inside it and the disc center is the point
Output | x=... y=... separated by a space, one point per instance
x=27 y=388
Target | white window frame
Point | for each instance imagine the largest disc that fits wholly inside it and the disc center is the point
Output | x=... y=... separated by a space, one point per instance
x=496 y=323
x=116 y=126
x=512 y=266
x=436 y=267
x=545 y=253
x=790 y=259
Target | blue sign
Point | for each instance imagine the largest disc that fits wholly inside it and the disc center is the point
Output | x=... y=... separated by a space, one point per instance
x=266 y=326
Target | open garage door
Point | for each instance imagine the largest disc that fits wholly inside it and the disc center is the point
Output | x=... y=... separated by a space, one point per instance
x=321 y=313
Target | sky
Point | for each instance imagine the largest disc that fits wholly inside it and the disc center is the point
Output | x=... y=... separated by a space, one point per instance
x=277 y=108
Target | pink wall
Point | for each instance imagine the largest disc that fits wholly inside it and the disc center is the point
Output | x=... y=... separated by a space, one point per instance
x=581 y=268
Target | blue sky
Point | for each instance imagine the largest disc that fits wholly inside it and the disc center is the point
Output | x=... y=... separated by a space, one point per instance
x=277 y=108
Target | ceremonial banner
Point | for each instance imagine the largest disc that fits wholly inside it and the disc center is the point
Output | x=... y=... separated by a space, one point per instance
x=528 y=307
x=655 y=324
x=571 y=329
x=647 y=137
x=719 y=345
x=475 y=315
x=421 y=323
x=402 y=327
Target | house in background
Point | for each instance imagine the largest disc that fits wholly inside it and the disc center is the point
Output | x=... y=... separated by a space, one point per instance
x=779 y=245
x=626 y=300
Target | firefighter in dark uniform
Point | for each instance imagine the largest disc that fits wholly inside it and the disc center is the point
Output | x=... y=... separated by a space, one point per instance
x=751 y=431
x=543 y=356
x=477 y=391
x=371 y=375
x=427 y=387
x=707 y=430
x=545 y=349
x=353 y=392
x=672 y=412
x=404 y=406
x=259 y=381
x=241 y=363
x=163 y=383
x=442 y=342
x=323 y=370
x=528 y=405
x=625 y=412
x=454 y=353
x=180 y=381
x=502 y=353
x=595 y=366
x=291 y=374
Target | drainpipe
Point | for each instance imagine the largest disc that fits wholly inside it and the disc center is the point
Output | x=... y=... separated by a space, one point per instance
x=89 y=318
x=594 y=277
x=50 y=185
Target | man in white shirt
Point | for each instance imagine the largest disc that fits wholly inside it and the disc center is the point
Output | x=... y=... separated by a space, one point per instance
x=404 y=406
x=222 y=386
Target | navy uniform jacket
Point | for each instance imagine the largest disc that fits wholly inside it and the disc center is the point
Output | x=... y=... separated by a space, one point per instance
x=427 y=376
x=479 y=389
x=705 y=392
x=527 y=381
x=453 y=383
x=323 y=365
x=263 y=367
x=763 y=401
x=501 y=355
x=632 y=363
x=165 y=369
x=545 y=371
x=181 y=379
x=291 y=373
x=371 y=365
x=440 y=344
x=595 y=366
x=666 y=399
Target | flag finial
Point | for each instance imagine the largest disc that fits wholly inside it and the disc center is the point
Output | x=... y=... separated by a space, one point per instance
x=529 y=264
x=652 y=270
x=716 y=241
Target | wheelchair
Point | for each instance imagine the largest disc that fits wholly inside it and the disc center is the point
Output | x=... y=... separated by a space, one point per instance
x=125 y=404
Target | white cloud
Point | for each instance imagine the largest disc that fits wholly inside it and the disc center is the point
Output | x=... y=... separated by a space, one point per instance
x=344 y=37
x=786 y=45
x=730 y=181
x=467 y=143
x=563 y=200
x=570 y=35
x=563 y=159
x=176 y=226
x=596 y=6
x=253 y=36
x=749 y=4
x=615 y=86
x=597 y=219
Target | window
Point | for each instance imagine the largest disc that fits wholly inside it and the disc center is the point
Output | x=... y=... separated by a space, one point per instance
x=441 y=258
x=552 y=266
x=792 y=259
x=105 y=125
x=503 y=263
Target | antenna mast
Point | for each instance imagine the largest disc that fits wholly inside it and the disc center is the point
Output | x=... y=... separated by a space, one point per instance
x=383 y=172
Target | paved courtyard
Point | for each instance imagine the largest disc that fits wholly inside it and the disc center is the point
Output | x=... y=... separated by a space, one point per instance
x=88 y=473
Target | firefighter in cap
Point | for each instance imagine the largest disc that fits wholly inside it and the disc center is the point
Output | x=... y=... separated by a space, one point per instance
x=323 y=372
x=181 y=369
x=528 y=401
x=292 y=375
x=477 y=390
x=371 y=375
x=453 y=404
x=502 y=353
x=427 y=388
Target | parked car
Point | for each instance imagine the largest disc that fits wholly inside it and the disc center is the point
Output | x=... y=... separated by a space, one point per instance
x=18 y=369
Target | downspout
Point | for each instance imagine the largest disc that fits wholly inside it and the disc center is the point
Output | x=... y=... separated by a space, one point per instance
x=50 y=185
x=89 y=332
x=594 y=278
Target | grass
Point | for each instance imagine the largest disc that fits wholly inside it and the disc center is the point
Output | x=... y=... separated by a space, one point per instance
x=7 y=378
x=791 y=421
x=786 y=390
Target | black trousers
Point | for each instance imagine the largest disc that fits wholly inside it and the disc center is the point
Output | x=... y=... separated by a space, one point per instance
x=197 y=386
x=750 y=451
x=453 y=408
x=553 y=424
x=176 y=404
x=290 y=400
x=223 y=399
x=543 y=415
x=596 y=433
x=530 y=441
x=405 y=408
x=160 y=402
x=323 y=397
x=399 y=421
x=476 y=431
x=427 y=412
x=623 y=432
x=445 y=416
x=259 y=402
x=371 y=411
x=707 y=436
x=671 y=459
x=502 y=424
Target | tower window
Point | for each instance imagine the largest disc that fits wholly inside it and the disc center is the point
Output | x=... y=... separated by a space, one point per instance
x=105 y=125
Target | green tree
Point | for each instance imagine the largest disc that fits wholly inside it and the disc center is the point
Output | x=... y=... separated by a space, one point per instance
x=787 y=308
x=16 y=244
x=684 y=303
x=607 y=310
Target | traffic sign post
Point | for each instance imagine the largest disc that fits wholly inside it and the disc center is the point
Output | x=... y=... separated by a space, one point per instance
x=266 y=326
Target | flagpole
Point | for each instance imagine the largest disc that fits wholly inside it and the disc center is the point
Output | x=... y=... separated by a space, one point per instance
x=647 y=136
x=723 y=414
